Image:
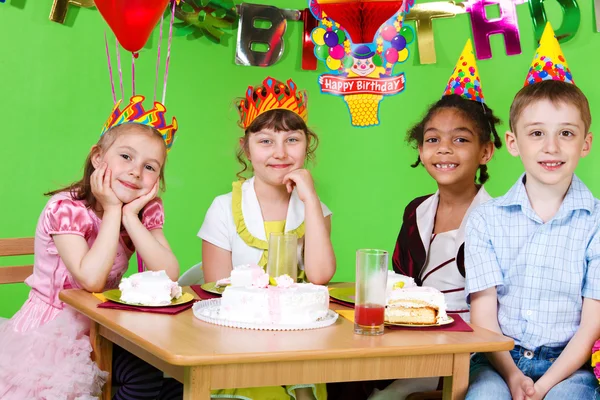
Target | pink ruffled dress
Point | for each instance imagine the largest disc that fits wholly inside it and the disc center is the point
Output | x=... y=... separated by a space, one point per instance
x=45 y=347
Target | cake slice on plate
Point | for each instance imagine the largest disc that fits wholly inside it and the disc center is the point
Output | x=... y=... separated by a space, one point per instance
x=150 y=288
x=416 y=305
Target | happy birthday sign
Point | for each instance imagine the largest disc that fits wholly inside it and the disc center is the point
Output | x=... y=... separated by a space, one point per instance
x=385 y=86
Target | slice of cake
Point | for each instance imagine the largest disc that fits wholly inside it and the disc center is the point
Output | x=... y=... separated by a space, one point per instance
x=242 y=275
x=286 y=303
x=246 y=274
x=150 y=288
x=416 y=305
x=395 y=281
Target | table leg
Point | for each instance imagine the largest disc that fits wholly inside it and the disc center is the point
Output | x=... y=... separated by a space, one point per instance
x=102 y=355
x=196 y=383
x=455 y=386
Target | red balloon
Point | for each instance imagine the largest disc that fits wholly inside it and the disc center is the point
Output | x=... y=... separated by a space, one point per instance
x=132 y=21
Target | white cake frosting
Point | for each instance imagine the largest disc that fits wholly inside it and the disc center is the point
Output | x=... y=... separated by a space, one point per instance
x=150 y=288
x=242 y=275
x=412 y=296
x=286 y=303
x=284 y=281
x=393 y=278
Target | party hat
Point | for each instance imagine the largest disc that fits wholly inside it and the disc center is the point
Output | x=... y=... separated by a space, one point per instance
x=549 y=62
x=134 y=112
x=465 y=80
x=272 y=96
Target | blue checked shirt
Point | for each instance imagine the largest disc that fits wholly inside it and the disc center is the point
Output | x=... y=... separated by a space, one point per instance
x=541 y=271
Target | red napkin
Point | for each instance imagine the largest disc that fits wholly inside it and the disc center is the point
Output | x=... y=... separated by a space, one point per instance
x=172 y=310
x=203 y=294
x=459 y=325
x=344 y=303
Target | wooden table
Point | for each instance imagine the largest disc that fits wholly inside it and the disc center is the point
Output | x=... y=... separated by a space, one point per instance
x=204 y=356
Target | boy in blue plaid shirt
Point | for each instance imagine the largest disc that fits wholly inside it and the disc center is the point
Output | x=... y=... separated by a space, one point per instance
x=532 y=256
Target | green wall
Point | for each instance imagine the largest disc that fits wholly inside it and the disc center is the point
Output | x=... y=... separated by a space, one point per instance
x=56 y=96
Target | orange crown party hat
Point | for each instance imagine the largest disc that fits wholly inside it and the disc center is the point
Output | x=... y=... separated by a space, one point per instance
x=549 y=63
x=272 y=96
x=465 y=80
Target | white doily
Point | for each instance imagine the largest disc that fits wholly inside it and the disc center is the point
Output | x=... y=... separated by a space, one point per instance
x=208 y=311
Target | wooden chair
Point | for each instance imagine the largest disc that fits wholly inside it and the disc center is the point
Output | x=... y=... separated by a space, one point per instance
x=15 y=247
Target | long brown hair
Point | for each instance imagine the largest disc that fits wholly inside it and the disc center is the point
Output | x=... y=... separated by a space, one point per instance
x=279 y=120
x=82 y=189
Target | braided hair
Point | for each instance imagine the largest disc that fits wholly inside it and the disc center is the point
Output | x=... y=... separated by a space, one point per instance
x=479 y=113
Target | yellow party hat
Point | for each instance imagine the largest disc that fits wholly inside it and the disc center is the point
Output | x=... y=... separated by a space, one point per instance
x=465 y=78
x=549 y=63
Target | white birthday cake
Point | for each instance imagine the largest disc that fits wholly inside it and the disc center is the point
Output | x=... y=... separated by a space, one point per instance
x=150 y=288
x=251 y=299
x=416 y=305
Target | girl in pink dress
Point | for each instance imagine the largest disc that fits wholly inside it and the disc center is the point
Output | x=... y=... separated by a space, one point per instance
x=84 y=238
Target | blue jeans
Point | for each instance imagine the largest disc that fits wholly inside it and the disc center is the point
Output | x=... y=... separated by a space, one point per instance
x=486 y=383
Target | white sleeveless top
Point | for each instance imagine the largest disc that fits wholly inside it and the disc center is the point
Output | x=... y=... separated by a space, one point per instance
x=441 y=272
x=221 y=229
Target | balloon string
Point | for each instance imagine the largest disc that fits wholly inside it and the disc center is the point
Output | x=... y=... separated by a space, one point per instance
x=162 y=17
x=120 y=71
x=112 y=81
x=164 y=96
x=140 y=262
x=132 y=74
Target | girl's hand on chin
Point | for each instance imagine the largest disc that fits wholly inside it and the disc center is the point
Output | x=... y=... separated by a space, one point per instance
x=138 y=204
x=302 y=180
x=102 y=190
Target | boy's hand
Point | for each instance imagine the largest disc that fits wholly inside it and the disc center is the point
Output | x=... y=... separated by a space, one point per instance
x=540 y=392
x=521 y=387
